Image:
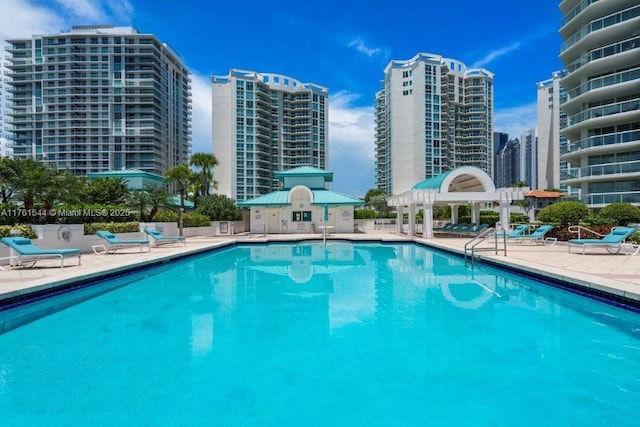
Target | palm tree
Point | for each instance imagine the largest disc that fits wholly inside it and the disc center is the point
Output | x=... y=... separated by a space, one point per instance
x=206 y=162
x=179 y=175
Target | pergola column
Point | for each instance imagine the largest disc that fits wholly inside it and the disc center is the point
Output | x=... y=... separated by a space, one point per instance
x=475 y=213
x=399 y=219
x=427 y=221
x=412 y=219
x=454 y=214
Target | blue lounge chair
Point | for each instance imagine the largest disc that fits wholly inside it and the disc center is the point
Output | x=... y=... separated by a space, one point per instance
x=114 y=243
x=475 y=230
x=538 y=236
x=612 y=242
x=27 y=253
x=158 y=239
x=518 y=231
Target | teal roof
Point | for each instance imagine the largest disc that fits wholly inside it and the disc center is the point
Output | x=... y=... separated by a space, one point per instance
x=277 y=198
x=126 y=173
x=305 y=171
x=175 y=201
x=328 y=197
x=320 y=197
x=432 y=183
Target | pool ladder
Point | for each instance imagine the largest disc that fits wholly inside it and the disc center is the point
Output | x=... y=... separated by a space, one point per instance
x=499 y=236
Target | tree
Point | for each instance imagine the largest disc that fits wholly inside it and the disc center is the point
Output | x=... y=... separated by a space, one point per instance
x=9 y=178
x=564 y=213
x=219 y=207
x=157 y=198
x=374 y=192
x=179 y=175
x=620 y=213
x=107 y=191
x=205 y=162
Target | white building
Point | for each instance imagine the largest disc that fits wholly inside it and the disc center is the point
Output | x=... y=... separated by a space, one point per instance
x=98 y=98
x=432 y=115
x=550 y=142
x=265 y=123
x=601 y=54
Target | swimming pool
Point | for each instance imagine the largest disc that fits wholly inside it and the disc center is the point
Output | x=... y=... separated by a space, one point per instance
x=303 y=334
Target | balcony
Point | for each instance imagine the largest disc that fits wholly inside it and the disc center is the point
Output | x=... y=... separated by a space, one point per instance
x=573 y=149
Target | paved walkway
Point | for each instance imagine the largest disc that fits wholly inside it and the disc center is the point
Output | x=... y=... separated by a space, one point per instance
x=616 y=274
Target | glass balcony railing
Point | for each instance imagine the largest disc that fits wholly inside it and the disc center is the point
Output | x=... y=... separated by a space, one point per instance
x=604 y=170
x=601 y=140
x=605 y=110
x=613 y=79
x=575 y=11
x=600 y=24
x=603 y=52
x=608 y=198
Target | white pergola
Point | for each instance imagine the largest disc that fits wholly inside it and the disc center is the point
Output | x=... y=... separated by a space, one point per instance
x=461 y=186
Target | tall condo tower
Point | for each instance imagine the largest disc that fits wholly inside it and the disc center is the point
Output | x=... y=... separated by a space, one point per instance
x=98 y=98
x=266 y=123
x=601 y=54
x=550 y=142
x=432 y=115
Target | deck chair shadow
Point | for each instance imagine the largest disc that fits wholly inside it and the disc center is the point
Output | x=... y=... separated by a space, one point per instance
x=28 y=253
x=612 y=242
x=158 y=239
x=114 y=243
x=538 y=236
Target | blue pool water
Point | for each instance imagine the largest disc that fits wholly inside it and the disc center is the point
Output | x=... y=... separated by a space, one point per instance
x=299 y=334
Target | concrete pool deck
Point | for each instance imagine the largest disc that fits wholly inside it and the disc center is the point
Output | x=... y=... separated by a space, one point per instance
x=618 y=275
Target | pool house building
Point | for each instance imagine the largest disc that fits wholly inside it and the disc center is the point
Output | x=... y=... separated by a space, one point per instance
x=303 y=205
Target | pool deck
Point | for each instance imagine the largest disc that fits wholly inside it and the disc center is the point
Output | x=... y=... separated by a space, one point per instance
x=617 y=275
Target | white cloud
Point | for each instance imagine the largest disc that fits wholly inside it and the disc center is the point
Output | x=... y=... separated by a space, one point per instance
x=86 y=9
x=351 y=144
x=361 y=47
x=496 y=54
x=201 y=114
x=21 y=18
x=516 y=120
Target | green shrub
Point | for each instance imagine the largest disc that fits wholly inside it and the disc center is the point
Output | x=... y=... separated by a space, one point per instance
x=166 y=216
x=365 y=213
x=25 y=231
x=195 y=220
x=219 y=207
x=190 y=219
x=620 y=213
x=564 y=213
x=518 y=218
x=114 y=227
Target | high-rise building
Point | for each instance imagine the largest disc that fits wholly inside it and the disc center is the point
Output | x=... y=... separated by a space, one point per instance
x=508 y=163
x=266 y=123
x=529 y=158
x=432 y=115
x=601 y=54
x=500 y=139
x=98 y=98
x=551 y=169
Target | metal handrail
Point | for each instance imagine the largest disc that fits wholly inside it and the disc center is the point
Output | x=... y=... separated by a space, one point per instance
x=578 y=228
x=484 y=235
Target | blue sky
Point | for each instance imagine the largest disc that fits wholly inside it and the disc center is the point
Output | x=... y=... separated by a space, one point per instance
x=343 y=45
